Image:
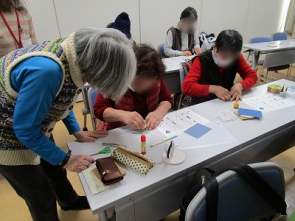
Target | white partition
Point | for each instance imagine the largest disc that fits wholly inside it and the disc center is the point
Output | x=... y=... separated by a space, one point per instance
x=44 y=19
x=157 y=16
x=75 y=14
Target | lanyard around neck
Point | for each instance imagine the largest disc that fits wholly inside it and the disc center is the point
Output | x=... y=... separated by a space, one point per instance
x=18 y=42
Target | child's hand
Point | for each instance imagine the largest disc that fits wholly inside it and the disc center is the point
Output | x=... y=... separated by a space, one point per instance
x=153 y=119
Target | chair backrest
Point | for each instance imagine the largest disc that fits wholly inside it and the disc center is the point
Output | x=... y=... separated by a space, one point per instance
x=259 y=40
x=92 y=94
x=278 y=59
x=237 y=200
x=161 y=50
x=279 y=36
x=183 y=70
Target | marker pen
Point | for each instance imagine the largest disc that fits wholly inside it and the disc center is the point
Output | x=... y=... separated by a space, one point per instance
x=143 y=144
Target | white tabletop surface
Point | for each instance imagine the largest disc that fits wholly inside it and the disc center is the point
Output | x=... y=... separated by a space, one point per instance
x=173 y=63
x=134 y=182
x=264 y=46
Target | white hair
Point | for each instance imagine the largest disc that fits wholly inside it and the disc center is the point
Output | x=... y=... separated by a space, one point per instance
x=106 y=60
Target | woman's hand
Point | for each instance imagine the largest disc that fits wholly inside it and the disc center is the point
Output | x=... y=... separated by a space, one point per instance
x=133 y=119
x=187 y=53
x=77 y=163
x=236 y=92
x=89 y=136
x=153 y=119
x=198 y=50
x=220 y=92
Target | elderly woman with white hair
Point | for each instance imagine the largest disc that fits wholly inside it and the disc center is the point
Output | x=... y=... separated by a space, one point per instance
x=38 y=87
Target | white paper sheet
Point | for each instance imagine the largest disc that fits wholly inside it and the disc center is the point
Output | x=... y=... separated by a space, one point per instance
x=177 y=122
x=218 y=135
x=269 y=102
x=95 y=185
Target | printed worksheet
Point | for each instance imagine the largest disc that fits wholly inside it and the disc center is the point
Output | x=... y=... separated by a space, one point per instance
x=177 y=122
x=269 y=102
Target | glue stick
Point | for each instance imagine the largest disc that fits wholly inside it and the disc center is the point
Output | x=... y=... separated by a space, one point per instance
x=143 y=144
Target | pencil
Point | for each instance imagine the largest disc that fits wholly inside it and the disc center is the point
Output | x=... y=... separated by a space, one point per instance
x=167 y=139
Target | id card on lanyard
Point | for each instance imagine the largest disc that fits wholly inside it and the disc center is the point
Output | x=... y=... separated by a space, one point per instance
x=19 y=41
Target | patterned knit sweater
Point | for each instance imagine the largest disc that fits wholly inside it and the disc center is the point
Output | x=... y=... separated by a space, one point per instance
x=12 y=151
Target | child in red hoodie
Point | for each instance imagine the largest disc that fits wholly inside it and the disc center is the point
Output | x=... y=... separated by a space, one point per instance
x=146 y=101
x=213 y=72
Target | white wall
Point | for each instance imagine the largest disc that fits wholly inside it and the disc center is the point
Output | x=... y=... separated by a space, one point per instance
x=76 y=14
x=157 y=16
x=264 y=17
x=152 y=18
x=44 y=19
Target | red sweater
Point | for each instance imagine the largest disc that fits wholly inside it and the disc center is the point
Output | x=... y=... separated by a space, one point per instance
x=102 y=103
x=192 y=88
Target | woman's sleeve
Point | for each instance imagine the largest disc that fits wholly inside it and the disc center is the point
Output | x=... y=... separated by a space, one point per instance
x=100 y=105
x=32 y=30
x=165 y=94
x=168 y=46
x=247 y=73
x=197 y=41
x=37 y=87
x=191 y=84
x=71 y=123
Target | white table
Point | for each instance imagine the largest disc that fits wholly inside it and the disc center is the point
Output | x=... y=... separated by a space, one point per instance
x=172 y=77
x=153 y=196
x=285 y=45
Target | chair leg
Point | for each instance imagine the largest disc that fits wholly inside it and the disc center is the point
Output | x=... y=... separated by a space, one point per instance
x=265 y=79
x=261 y=75
x=85 y=122
x=289 y=72
x=180 y=101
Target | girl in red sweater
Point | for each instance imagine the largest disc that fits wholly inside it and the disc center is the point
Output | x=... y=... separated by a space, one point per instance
x=213 y=72
x=146 y=101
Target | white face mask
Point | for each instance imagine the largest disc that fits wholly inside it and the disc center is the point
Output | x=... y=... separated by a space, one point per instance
x=221 y=63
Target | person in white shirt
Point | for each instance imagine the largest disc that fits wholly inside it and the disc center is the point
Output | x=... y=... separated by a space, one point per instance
x=182 y=39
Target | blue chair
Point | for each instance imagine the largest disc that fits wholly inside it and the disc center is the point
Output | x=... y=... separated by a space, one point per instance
x=92 y=94
x=161 y=50
x=257 y=40
x=279 y=36
x=237 y=200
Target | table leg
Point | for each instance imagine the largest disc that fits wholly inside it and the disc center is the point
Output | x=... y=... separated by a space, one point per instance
x=125 y=211
x=103 y=216
x=254 y=60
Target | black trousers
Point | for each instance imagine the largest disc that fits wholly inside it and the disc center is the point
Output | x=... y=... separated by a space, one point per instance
x=40 y=186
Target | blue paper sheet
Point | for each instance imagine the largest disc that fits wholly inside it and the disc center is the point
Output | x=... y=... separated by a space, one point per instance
x=197 y=130
x=250 y=113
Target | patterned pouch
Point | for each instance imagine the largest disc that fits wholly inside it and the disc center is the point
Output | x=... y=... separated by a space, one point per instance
x=133 y=159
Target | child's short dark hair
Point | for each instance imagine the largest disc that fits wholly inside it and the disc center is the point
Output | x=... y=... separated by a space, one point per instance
x=149 y=62
x=229 y=41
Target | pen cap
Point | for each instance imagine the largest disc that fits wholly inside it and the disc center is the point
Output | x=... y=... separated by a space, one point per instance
x=143 y=138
